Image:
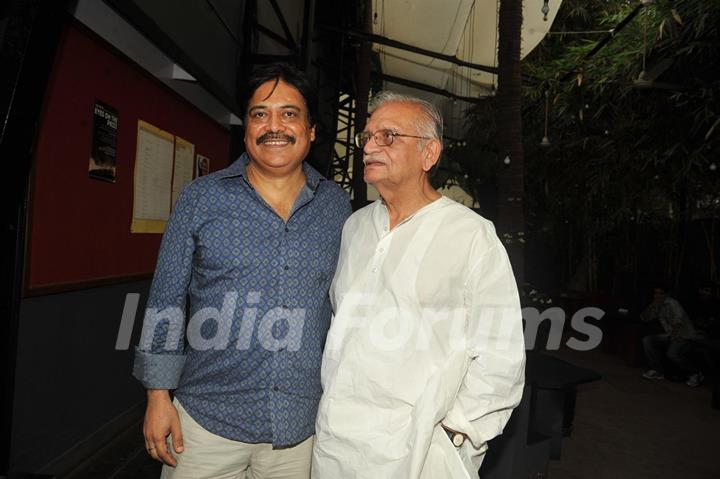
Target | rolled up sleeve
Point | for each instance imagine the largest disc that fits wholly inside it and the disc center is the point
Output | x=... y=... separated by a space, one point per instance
x=158 y=371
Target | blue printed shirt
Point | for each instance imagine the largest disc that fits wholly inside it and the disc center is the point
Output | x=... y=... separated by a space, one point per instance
x=239 y=309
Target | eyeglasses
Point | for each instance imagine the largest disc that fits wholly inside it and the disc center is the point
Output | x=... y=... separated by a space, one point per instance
x=382 y=137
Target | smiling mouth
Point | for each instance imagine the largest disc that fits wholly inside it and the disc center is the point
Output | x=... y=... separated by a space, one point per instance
x=270 y=139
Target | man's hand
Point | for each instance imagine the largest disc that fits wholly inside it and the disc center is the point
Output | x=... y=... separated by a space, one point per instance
x=161 y=420
x=452 y=433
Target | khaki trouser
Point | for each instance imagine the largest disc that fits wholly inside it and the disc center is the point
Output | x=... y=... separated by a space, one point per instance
x=213 y=457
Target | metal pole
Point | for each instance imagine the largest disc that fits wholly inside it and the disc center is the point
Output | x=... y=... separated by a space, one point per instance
x=361 y=108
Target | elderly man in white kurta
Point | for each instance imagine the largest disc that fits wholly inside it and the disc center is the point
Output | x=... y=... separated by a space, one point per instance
x=424 y=360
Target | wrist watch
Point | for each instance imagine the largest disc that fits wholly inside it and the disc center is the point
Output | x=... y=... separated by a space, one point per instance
x=457 y=438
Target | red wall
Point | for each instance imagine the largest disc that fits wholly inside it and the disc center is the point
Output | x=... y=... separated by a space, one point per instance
x=80 y=227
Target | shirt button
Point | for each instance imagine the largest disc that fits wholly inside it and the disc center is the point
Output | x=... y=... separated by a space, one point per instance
x=381 y=250
x=374 y=270
x=275 y=388
x=287 y=267
x=287 y=230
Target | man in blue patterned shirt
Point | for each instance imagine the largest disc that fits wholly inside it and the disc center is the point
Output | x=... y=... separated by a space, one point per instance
x=239 y=310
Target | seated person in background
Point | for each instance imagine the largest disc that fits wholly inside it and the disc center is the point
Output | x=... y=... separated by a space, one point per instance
x=674 y=343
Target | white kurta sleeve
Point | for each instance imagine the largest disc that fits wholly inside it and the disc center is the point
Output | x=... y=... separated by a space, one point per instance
x=494 y=381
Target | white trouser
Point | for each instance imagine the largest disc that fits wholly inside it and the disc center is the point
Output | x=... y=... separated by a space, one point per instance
x=207 y=455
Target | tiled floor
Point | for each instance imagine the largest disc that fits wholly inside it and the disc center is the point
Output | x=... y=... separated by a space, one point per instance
x=630 y=427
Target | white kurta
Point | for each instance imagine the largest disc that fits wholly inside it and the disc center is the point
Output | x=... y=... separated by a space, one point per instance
x=427 y=329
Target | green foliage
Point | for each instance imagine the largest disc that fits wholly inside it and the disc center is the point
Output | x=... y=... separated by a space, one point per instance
x=620 y=155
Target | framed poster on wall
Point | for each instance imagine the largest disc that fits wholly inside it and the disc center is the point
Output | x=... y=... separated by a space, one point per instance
x=103 y=152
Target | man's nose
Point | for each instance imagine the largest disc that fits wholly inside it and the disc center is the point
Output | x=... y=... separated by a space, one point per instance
x=370 y=146
x=275 y=122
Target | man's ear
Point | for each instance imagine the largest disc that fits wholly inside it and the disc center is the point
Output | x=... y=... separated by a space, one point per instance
x=312 y=133
x=431 y=154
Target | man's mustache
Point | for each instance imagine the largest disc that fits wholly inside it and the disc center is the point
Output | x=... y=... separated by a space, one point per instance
x=271 y=136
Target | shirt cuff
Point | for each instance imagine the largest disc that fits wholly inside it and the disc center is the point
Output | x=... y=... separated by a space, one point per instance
x=158 y=371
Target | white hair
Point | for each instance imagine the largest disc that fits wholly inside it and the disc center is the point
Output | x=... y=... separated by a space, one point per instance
x=430 y=122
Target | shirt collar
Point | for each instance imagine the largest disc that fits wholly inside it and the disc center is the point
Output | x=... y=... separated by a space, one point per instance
x=239 y=168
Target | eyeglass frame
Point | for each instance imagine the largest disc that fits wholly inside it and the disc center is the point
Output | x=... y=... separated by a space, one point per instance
x=388 y=132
